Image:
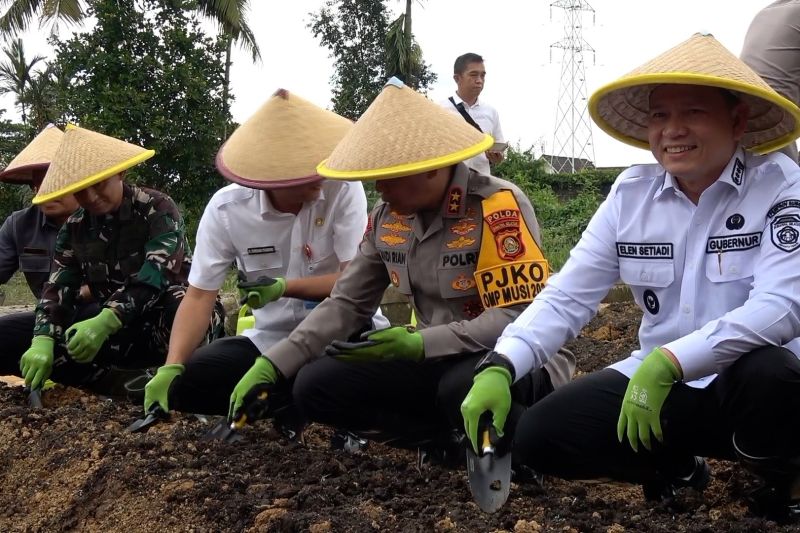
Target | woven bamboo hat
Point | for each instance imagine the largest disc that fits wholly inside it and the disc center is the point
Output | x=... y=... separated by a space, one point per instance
x=621 y=108
x=84 y=158
x=281 y=144
x=36 y=156
x=403 y=133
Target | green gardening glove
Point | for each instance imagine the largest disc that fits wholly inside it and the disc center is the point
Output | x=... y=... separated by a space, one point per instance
x=260 y=292
x=261 y=373
x=36 y=363
x=491 y=391
x=644 y=397
x=85 y=338
x=157 y=389
x=377 y=345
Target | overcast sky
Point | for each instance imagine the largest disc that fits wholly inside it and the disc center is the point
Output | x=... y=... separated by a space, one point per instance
x=513 y=36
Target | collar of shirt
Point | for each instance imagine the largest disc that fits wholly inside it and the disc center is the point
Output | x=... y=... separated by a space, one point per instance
x=460 y=100
x=732 y=174
x=266 y=207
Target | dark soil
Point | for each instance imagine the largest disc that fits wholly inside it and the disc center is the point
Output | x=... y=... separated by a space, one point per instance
x=70 y=467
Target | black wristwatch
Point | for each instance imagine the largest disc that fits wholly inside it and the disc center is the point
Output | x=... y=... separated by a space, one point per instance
x=493 y=358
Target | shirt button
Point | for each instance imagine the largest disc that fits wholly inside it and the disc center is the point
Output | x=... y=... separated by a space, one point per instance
x=644 y=276
x=687 y=309
x=733 y=270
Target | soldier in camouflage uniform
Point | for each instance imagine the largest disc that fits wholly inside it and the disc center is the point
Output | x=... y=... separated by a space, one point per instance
x=128 y=245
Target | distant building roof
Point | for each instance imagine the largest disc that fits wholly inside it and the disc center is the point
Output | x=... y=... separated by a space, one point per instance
x=558 y=164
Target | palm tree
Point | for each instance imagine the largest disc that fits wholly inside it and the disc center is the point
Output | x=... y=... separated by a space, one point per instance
x=16 y=73
x=21 y=13
x=403 y=54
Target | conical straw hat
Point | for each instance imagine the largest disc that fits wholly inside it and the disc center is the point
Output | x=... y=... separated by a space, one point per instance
x=84 y=158
x=621 y=108
x=36 y=156
x=403 y=133
x=281 y=144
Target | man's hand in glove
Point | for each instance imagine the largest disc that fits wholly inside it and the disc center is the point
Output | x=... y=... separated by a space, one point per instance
x=641 y=405
x=491 y=391
x=157 y=389
x=390 y=344
x=260 y=292
x=36 y=363
x=85 y=338
x=254 y=385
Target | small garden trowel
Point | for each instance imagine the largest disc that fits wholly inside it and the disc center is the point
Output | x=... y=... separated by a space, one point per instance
x=489 y=473
x=155 y=415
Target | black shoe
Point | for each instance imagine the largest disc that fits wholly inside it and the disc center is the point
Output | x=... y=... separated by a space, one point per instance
x=769 y=502
x=522 y=474
x=663 y=490
x=348 y=441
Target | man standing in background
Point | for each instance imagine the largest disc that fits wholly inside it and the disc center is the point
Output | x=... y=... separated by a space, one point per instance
x=470 y=75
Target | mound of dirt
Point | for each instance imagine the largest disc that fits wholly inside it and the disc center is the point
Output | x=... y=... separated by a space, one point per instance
x=71 y=467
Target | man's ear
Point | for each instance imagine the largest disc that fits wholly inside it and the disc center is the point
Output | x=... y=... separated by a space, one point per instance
x=741 y=112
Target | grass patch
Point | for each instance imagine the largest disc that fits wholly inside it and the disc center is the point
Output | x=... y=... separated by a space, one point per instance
x=16 y=291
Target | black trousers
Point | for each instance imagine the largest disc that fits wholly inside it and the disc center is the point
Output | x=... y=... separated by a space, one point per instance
x=211 y=374
x=402 y=403
x=573 y=432
x=141 y=344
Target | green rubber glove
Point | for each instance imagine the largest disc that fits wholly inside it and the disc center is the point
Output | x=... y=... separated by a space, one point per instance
x=157 y=389
x=389 y=344
x=259 y=293
x=262 y=372
x=491 y=391
x=644 y=397
x=36 y=363
x=85 y=338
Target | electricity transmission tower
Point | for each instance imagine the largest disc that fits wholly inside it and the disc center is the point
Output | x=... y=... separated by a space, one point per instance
x=572 y=137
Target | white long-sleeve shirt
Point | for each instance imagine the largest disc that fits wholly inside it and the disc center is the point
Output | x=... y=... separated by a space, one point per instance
x=715 y=280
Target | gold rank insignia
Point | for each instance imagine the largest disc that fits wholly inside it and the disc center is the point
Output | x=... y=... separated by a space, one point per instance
x=454 y=198
x=397 y=225
x=393 y=240
x=395 y=278
x=463 y=226
x=461 y=242
x=319 y=222
x=463 y=283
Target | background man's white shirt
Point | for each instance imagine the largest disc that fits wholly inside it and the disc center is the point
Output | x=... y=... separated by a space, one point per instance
x=487 y=118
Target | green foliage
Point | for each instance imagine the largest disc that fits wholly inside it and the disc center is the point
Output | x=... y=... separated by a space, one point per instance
x=13 y=138
x=357 y=34
x=148 y=74
x=564 y=203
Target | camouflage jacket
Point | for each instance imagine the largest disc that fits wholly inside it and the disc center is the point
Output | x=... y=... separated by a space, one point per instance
x=127 y=258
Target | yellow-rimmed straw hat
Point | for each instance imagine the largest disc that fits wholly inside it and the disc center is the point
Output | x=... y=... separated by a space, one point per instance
x=403 y=133
x=281 y=144
x=84 y=158
x=36 y=156
x=621 y=108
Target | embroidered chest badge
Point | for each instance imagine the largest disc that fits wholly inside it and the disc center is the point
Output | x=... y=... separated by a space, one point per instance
x=461 y=242
x=464 y=226
x=395 y=278
x=463 y=283
x=393 y=240
x=396 y=225
x=504 y=225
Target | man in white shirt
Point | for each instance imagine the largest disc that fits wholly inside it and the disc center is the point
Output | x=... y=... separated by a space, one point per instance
x=709 y=242
x=290 y=234
x=470 y=75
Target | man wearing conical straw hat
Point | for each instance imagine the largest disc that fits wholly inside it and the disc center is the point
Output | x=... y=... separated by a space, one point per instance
x=28 y=238
x=462 y=246
x=709 y=242
x=128 y=245
x=290 y=234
